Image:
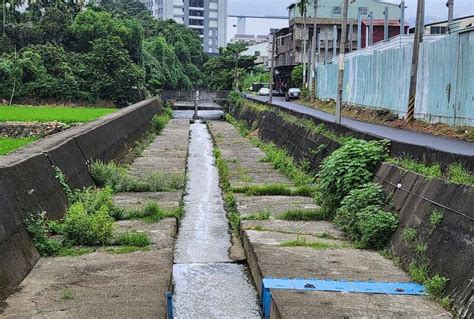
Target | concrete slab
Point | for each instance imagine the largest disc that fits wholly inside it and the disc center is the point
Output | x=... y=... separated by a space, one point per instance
x=166 y=200
x=103 y=285
x=275 y=205
x=267 y=258
x=244 y=160
x=302 y=228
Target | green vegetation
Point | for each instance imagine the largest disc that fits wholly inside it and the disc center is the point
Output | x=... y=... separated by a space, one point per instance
x=275 y=189
x=260 y=75
x=117 y=178
x=375 y=226
x=82 y=228
x=409 y=234
x=417 y=167
x=159 y=121
x=152 y=213
x=257 y=216
x=112 y=51
x=37 y=226
x=455 y=173
x=66 y=115
x=126 y=249
x=302 y=242
x=302 y=215
x=67 y=294
x=132 y=238
x=9 y=144
x=347 y=168
x=436 y=218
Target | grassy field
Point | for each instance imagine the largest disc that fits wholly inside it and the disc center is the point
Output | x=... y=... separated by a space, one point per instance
x=22 y=113
x=8 y=144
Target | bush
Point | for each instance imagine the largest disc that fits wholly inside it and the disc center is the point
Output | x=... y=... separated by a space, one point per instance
x=346 y=216
x=82 y=228
x=159 y=121
x=37 y=226
x=375 y=226
x=347 y=168
x=435 y=286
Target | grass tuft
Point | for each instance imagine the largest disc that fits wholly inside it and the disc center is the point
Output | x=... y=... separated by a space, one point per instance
x=257 y=216
x=75 y=251
x=275 y=189
x=301 y=242
x=303 y=215
x=132 y=238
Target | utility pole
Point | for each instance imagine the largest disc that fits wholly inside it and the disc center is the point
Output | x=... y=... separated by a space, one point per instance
x=359 y=30
x=418 y=38
x=351 y=31
x=371 y=28
x=326 y=43
x=402 y=17
x=340 y=79
x=4 y=16
x=450 y=5
x=312 y=86
x=272 y=68
x=385 y=24
x=334 y=41
x=305 y=53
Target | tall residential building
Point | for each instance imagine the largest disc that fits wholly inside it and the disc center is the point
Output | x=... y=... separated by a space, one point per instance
x=206 y=17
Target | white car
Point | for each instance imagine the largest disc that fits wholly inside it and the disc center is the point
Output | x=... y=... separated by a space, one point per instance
x=264 y=91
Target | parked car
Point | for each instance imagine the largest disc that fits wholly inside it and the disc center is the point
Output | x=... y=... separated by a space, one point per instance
x=292 y=94
x=264 y=91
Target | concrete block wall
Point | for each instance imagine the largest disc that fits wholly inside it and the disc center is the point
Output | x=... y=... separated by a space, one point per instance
x=28 y=184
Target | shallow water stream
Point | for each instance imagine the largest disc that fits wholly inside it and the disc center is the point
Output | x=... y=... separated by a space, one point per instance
x=206 y=282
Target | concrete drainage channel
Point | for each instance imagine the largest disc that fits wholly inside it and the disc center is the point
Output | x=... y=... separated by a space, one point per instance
x=206 y=281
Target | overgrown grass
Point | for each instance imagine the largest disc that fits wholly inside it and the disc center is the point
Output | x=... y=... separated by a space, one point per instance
x=153 y=213
x=159 y=121
x=117 y=178
x=455 y=173
x=257 y=216
x=68 y=115
x=275 y=189
x=132 y=238
x=126 y=249
x=302 y=215
x=302 y=242
x=9 y=144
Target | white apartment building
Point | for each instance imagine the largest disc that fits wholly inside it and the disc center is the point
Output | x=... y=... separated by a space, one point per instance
x=206 y=17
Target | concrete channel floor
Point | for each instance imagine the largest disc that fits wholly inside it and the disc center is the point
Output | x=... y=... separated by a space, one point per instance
x=102 y=284
x=107 y=285
x=268 y=257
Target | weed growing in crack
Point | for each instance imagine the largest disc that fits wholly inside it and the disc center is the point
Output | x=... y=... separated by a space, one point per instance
x=132 y=238
x=67 y=294
x=302 y=215
x=257 y=216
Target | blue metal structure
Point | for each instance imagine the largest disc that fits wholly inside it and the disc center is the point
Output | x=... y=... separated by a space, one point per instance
x=379 y=77
x=169 y=304
x=366 y=287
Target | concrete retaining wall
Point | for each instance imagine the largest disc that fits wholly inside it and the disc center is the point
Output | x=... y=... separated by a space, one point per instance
x=28 y=184
x=450 y=246
x=397 y=149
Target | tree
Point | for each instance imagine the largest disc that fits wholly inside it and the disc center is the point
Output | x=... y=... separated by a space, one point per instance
x=228 y=67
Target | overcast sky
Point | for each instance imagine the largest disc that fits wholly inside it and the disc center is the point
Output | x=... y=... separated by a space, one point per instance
x=435 y=10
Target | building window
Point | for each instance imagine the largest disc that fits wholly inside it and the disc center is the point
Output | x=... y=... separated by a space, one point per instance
x=196 y=22
x=196 y=13
x=439 y=30
x=257 y=53
x=363 y=11
x=196 y=3
x=336 y=10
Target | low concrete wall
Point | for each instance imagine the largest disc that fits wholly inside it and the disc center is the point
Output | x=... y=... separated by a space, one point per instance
x=28 y=184
x=450 y=246
x=189 y=95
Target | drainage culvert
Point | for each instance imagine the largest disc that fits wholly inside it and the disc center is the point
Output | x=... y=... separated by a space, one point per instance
x=206 y=282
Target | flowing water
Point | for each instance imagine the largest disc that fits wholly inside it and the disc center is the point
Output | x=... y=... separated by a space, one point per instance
x=206 y=283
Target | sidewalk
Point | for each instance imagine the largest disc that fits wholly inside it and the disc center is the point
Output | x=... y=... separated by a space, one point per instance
x=415 y=138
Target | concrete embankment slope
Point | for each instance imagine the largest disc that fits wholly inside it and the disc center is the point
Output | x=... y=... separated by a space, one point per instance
x=28 y=183
x=109 y=283
x=450 y=245
x=323 y=251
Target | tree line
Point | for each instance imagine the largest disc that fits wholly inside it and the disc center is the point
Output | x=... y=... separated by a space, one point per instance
x=115 y=52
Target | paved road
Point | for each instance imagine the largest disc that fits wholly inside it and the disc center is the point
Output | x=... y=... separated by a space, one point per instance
x=415 y=138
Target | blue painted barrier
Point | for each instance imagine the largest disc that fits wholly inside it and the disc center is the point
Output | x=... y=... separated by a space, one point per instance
x=366 y=287
x=169 y=304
